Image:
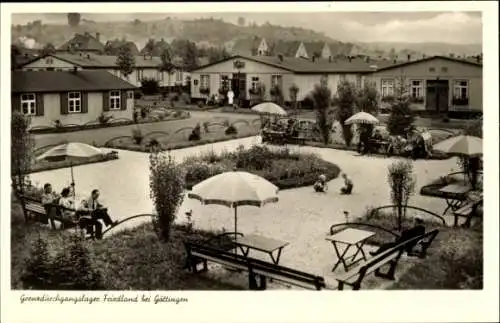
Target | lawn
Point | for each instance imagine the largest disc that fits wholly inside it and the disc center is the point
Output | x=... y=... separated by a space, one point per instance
x=99 y=137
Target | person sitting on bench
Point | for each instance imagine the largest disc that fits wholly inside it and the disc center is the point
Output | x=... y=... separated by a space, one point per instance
x=97 y=212
x=347 y=189
x=49 y=198
x=68 y=211
x=417 y=230
x=320 y=185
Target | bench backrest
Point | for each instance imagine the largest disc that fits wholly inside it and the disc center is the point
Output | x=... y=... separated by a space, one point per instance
x=36 y=206
x=255 y=264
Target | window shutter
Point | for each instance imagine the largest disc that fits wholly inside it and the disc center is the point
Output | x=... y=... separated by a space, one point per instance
x=85 y=102
x=105 y=101
x=16 y=102
x=64 y=102
x=123 y=100
x=39 y=104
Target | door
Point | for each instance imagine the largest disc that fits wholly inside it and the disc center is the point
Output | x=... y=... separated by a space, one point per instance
x=239 y=85
x=437 y=96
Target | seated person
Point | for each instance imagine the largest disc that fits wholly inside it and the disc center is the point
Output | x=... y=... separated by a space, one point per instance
x=97 y=212
x=68 y=211
x=49 y=198
x=320 y=185
x=347 y=189
x=415 y=231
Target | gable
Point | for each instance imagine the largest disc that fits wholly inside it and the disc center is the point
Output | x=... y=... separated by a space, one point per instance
x=49 y=62
x=251 y=67
x=301 y=51
x=435 y=67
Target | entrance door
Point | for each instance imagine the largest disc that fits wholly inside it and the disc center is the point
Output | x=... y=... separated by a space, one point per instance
x=239 y=85
x=437 y=96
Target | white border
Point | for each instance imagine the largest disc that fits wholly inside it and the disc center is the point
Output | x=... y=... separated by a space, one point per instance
x=279 y=306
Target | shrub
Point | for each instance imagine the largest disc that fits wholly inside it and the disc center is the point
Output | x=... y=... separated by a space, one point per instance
x=473 y=128
x=401 y=117
x=195 y=133
x=231 y=130
x=166 y=182
x=149 y=86
x=225 y=123
x=256 y=157
x=346 y=101
x=322 y=103
x=37 y=274
x=307 y=103
x=137 y=135
x=105 y=118
x=200 y=104
x=402 y=183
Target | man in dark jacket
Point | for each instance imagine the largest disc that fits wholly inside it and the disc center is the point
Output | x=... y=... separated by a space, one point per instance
x=417 y=230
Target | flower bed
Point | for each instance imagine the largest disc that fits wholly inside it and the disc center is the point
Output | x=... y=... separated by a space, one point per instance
x=41 y=166
x=177 y=115
x=282 y=167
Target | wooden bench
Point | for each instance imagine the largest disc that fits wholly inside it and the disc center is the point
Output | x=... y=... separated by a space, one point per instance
x=198 y=253
x=467 y=211
x=355 y=276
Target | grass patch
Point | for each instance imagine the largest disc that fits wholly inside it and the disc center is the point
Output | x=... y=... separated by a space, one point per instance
x=40 y=166
x=280 y=166
x=132 y=259
x=454 y=260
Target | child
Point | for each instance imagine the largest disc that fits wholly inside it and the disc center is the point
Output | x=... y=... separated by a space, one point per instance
x=320 y=185
x=347 y=189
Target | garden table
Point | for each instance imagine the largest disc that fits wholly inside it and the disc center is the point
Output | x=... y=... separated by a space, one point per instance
x=350 y=238
x=454 y=202
x=260 y=243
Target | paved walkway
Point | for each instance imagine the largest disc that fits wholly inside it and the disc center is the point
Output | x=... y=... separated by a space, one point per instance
x=301 y=217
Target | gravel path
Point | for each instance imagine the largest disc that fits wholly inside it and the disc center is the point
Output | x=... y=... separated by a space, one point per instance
x=301 y=217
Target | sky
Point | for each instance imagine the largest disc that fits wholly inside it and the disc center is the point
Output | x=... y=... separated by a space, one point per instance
x=414 y=27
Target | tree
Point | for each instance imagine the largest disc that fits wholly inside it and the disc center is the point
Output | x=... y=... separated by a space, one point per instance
x=190 y=56
x=48 y=49
x=74 y=19
x=368 y=98
x=21 y=152
x=150 y=46
x=166 y=182
x=402 y=183
x=294 y=91
x=241 y=21
x=14 y=54
x=216 y=54
x=401 y=117
x=125 y=61
x=345 y=101
x=321 y=96
x=166 y=63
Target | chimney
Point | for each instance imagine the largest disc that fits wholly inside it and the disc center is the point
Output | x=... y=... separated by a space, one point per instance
x=409 y=57
x=280 y=57
x=329 y=59
x=98 y=36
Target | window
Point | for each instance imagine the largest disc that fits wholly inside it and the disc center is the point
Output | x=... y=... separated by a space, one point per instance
x=74 y=102
x=159 y=75
x=416 y=89
x=444 y=69
x=461 y=89
x=387 y=87
x=204 y=81
x=195 y=82
x=130 y=94
x=224 y=82
x=140 y=74
x=28 y=104
x=178 y=76
x=255 y=83
x=114 y=100
x=49 y=60
x=432 y=69
x=276 y=79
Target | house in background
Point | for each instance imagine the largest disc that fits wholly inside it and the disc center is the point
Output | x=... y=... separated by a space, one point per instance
x=85 y=43
x=318 y=49
x=289 y=49
x=72 y=97
x=242 y=73
x=250 y=46
x=146 y=67
x=437 y=84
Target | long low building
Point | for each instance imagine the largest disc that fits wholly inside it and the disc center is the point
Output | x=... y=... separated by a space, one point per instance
x=71 y=97
x=455 y=83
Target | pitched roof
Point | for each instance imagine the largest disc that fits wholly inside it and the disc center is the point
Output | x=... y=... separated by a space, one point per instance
x=104 y=61
x=319 y=66
x=286 y=48
x=85 y=42
x=314 y=47
x=61 y=81
x=246 y=46
x=452 y=59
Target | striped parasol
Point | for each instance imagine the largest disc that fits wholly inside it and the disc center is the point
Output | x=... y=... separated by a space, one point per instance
x=362 y=118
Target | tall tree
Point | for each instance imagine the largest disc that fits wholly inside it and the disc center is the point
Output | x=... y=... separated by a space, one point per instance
x=322 y=99
x=241 y=21
x=368 y=98
x=14 y=54
x=166 y=63
x=125 y=61
x=345 y=100
x=74 y=19
x=48 y=49
x=401 y=117
x=294 y=91
x=190 y=57
x=150 y=46
x=216 y=54
x=21 y=152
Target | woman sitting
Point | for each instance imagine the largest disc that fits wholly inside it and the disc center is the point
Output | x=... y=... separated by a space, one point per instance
x=68 y=208
x=347 y=189
x=320 y=185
